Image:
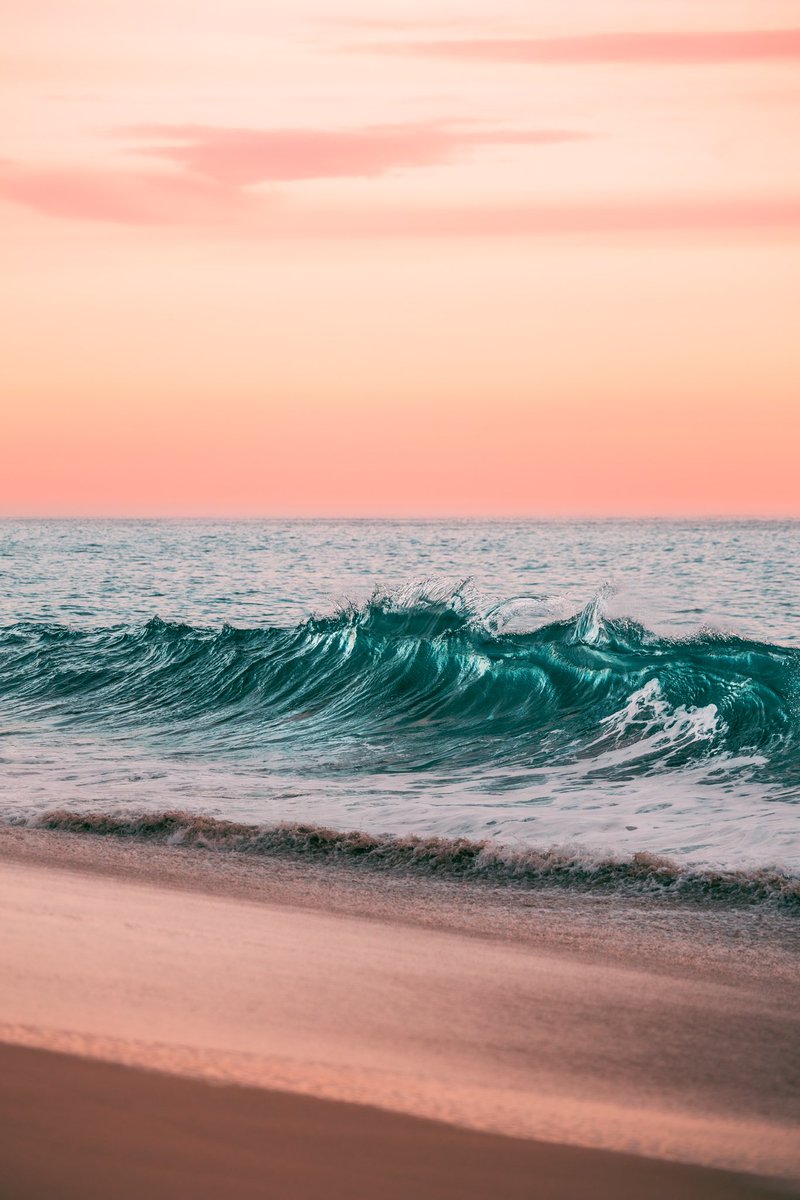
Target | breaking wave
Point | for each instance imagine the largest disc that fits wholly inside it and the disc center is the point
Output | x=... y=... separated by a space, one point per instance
x=455 y=858
x=425 y=681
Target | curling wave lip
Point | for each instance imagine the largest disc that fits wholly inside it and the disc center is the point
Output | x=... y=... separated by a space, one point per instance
x=427 y=684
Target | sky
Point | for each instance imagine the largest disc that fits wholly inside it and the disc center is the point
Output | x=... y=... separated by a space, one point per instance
x=316 y=259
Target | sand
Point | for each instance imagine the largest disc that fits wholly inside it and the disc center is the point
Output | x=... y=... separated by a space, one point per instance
x=82 y=1130
x=668 y=1032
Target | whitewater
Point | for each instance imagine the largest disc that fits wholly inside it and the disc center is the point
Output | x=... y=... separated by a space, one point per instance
x=607 y=701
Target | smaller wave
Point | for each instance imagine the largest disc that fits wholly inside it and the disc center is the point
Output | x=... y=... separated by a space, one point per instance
x=455 y=858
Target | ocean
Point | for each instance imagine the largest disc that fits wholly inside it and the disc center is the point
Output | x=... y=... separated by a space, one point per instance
x=563 y=694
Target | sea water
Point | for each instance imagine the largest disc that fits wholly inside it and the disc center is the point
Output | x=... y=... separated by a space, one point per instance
x=610 y=687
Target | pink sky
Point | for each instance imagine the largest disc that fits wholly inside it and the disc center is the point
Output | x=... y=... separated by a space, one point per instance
x=313 y=259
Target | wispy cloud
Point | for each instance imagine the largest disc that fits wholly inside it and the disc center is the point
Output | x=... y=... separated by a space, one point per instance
x=601 y=216
x=122 y=197
x=240 y=157
x=216 y=166
x=154 y=199
x=654 y=48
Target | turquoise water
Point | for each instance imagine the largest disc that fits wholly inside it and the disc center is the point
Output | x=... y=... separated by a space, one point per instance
x=616 y=686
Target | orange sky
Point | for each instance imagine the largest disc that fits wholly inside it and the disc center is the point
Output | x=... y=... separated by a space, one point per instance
x=313 y=259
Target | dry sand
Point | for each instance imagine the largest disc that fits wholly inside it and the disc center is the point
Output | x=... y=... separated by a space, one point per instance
x=670 y=1032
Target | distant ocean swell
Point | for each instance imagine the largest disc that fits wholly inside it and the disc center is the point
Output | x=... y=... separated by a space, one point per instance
x=454 y=858
x=426 y=683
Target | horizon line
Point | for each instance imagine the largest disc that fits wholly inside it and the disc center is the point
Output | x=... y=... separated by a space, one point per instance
x=714 y=518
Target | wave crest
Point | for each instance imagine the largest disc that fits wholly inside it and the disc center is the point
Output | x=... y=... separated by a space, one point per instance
x=427 y=679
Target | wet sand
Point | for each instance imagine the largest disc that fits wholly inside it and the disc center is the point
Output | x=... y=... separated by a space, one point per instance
x=82 y=1130
x=670 y=1032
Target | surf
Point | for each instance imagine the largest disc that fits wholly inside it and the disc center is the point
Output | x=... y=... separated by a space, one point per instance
x=450 y=858
x=431 y=681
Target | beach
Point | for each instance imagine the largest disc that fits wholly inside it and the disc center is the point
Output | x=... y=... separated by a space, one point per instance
x=112 y=1131
x=400 y=601
x=638 y=1042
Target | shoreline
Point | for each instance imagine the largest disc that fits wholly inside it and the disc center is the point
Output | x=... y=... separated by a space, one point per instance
x=575 y=867
x=614 y=1022
x=713 y=940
